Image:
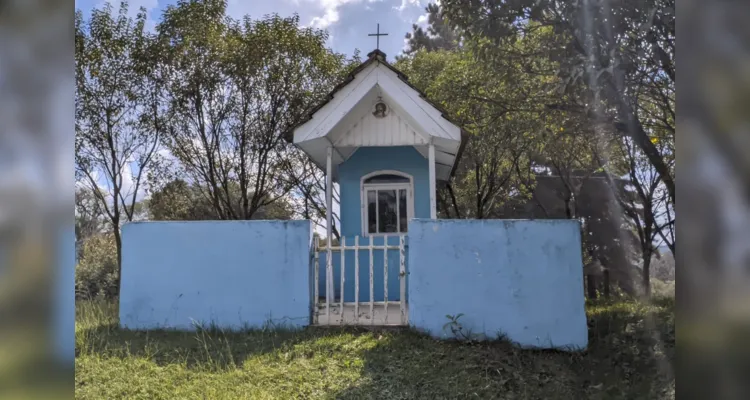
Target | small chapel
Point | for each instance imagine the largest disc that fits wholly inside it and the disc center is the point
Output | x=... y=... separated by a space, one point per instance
x=385 y=144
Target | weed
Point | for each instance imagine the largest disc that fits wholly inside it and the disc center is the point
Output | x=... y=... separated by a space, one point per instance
x=459 y=331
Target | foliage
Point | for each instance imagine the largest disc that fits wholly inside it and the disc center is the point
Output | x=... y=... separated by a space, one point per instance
x=89 y=215
x=439 y=35
x=118 y=121
x=630 y=355
x=234 y=88
x=504 y=114
x=179 y=201
x=96 y=272
x=621 y=51
x=458 y=331
x=648 y=206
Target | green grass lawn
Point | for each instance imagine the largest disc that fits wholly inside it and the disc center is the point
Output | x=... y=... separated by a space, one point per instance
x=630 y=355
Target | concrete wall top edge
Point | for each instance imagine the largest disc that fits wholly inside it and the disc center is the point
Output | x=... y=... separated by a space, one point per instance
x=494 y=221
x=300 y=222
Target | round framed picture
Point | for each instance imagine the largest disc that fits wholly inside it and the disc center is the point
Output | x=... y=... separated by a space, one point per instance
x=381 y=110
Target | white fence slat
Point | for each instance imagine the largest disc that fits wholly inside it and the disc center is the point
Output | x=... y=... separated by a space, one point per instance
x=402 y=276
x=385 y=278
x=356 y=279
x=317 y=281
x=343 y=268
x=372 y=289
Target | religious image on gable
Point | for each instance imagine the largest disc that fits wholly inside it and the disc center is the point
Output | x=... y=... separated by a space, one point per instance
x=381 y=110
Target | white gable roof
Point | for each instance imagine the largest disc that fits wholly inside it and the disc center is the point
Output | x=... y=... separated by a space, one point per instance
x=346 y=121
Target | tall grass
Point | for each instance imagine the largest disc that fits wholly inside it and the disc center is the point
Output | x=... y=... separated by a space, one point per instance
x=630 y=352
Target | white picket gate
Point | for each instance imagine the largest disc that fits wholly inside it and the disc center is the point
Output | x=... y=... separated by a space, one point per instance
x=332 y=311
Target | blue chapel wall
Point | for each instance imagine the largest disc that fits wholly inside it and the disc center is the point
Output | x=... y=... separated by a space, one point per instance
x=233 y=274
x=518 y=278
x=365 y=160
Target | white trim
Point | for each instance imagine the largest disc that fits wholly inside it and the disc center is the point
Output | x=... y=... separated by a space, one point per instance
x=311 y=128
x=329 y=209
x=329 y=191
x=363 y=187
x=400 y=97
x=407 y=98
x=433 y=185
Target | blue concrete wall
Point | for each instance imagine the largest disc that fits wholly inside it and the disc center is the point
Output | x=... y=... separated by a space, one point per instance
x=523 y=279
x=405 y=159
x=234 y=274
x=394 y=265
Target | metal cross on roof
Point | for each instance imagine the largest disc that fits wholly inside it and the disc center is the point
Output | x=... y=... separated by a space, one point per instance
x=377 y=36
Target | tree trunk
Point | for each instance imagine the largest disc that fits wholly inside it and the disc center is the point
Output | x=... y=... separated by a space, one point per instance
x=591 y=286
x=118 y=244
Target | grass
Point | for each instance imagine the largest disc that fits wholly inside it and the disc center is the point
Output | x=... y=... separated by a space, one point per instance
x=630 y=356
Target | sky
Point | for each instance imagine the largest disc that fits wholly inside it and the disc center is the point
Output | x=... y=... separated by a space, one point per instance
x=348 y=22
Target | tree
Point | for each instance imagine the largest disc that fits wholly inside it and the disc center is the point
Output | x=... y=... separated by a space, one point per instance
x=647 y=207
x=235 y=87
x=96 y=273
x=89 y=215
x=179 y=201
x=439 y=35
x=501 y=107
x=309 y=191
x=616 y=49
x=117 y=117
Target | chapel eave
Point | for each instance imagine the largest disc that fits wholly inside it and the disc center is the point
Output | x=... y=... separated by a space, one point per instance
x=377 y=56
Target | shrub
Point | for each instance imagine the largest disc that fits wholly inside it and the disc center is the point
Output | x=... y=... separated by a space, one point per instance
x=96 y=272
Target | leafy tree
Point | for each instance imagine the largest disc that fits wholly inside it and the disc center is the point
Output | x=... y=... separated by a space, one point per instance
x=97 y=273
x=439 y=35
x=235 y=87
x=89 y=215
x=647 y=207
x=117 y=114
x=309 y=191
x=616 y=49
x=179 y=201
x=504 y=114
x=176 y=201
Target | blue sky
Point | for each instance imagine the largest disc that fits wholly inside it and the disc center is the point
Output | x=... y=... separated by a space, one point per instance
x=348 y=21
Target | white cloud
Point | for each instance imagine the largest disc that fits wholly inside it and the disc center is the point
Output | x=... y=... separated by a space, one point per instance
x=330 y=9
x=330 y=12
x=407 y=3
